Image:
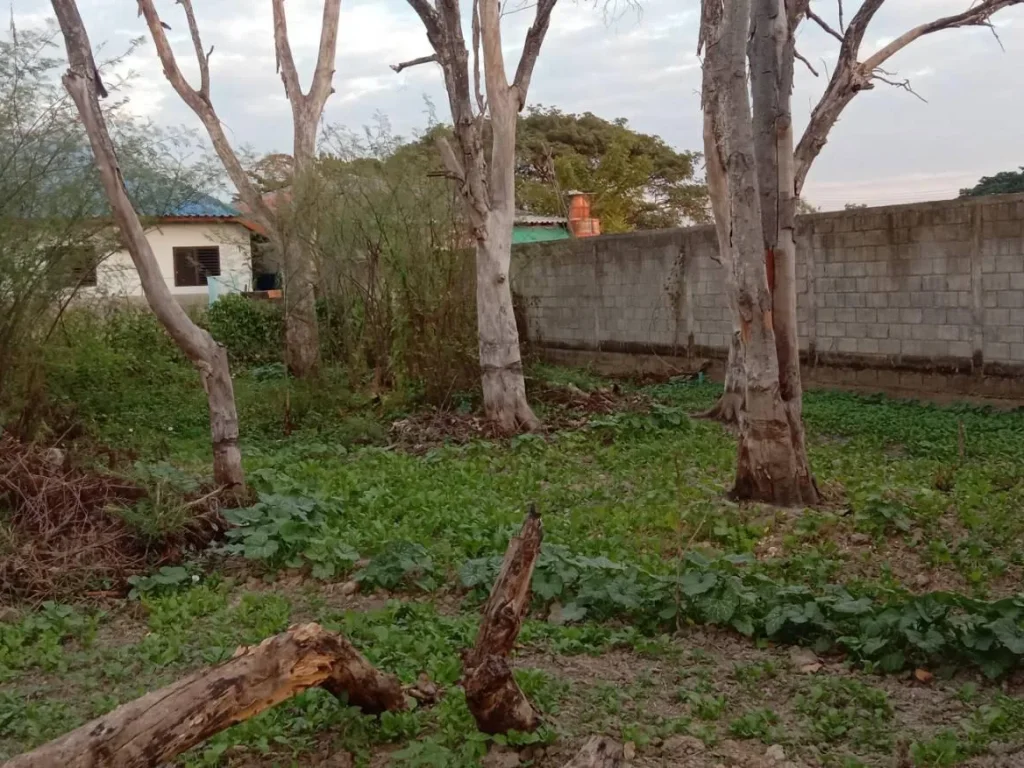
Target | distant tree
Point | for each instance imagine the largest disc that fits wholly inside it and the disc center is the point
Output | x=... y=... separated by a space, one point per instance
x=1004 y=183
x=802 y=206
x=854 y=206
x=637 y=180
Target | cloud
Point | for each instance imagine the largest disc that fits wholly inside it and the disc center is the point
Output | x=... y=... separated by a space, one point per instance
x=638 y=66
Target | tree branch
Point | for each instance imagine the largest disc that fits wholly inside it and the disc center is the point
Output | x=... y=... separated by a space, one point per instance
x=204 y=111
x=285 y=60
x=976 y=16
x=432 y=58
x=531 y=49
x=481 y=105
x=197 y=43
x=902 y=84
x=806 y=62
x=823 y=24
x=321 y=88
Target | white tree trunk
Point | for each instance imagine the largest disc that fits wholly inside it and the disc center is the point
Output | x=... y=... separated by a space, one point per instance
x=209 y=357
x=771 y=53
x=501 y=364
x=766 y=463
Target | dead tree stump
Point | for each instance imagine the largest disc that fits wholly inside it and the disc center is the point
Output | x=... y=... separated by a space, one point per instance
x=162 y=724
x=494 y=698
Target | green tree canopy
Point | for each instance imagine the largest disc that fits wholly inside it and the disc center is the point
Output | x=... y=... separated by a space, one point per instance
x=637 y=180
x=1003 y=183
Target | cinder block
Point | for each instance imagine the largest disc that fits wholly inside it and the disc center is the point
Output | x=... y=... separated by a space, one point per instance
x=889 y=346
x=1017 y=317
x=889 y=315
x=846 y=345
x=996 y=350
x=958 y=283
x=1017 y=353
x=996 y=281
x=878 y=330
x=951 y=332
x=855 y=269
x=912 y=348
x=959 y=317
x=923 y=332
x=947 y=299
x=877 y=300
x=835 y=329
x=867 y=346
x=1011 y=299
x=846 y=315
x=934 y=283
x=867 y=315
x=960 y=349
x=826 y=315
x=1011 y=334
x=912 y=316
x=995 y=318
x=1010 y=262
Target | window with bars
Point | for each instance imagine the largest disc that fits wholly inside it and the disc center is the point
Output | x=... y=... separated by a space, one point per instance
x=193 y=265
x=81 y=263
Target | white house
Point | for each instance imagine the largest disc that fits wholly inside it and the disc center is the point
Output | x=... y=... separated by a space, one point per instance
x=201 y=239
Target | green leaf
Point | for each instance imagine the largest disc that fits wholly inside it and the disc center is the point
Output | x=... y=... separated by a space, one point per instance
x=1009 y=634
x=697 y=583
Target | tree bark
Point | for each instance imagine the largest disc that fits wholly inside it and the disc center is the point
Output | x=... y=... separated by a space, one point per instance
x=492 y=694
x=766 y=462
x=771 y=53
x=728 y=407
x=487 y=185
x=209 y=357
x=162 y=724
x=598 y=752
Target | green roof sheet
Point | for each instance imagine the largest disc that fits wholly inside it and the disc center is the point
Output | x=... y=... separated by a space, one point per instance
x=522 y=235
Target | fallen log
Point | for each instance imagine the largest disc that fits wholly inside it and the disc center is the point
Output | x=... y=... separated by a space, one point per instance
x=162 y=724
x=494 y=698
x=598 y=752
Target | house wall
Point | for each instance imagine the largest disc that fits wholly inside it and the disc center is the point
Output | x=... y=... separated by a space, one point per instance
x=889 y=292
x=116 y=275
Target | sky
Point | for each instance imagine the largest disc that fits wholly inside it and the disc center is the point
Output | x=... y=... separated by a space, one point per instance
x=889 y=146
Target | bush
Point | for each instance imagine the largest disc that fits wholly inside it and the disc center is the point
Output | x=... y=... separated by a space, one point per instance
x=252 y=331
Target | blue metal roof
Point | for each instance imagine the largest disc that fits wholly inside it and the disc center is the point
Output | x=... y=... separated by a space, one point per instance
x=199 y=206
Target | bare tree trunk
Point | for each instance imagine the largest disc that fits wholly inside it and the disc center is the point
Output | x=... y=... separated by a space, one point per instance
x=487 y=187
x=771 y=54
x=767 y=467
x=209 y=357
x=492 y=694
x=501 y=364
x=301 y=334
x=728 y=407
x=157 y=727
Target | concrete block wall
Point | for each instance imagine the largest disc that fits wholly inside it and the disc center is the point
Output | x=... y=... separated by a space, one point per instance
x=930 y=286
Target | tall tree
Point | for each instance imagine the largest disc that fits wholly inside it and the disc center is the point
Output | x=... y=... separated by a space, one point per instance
x=487 y=183
x=1003 y=183
x=301 y=338
x=82 y=82
x=771 y=464
x=636 y=181
x=850 y=76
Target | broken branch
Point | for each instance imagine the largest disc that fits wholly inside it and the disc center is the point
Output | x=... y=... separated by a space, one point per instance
x=162 y=724
x=492 y=694
x=806 y=62
x=432 y=58
x=823 y=24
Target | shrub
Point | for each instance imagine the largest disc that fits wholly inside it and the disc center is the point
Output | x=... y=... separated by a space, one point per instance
x=252 y=331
